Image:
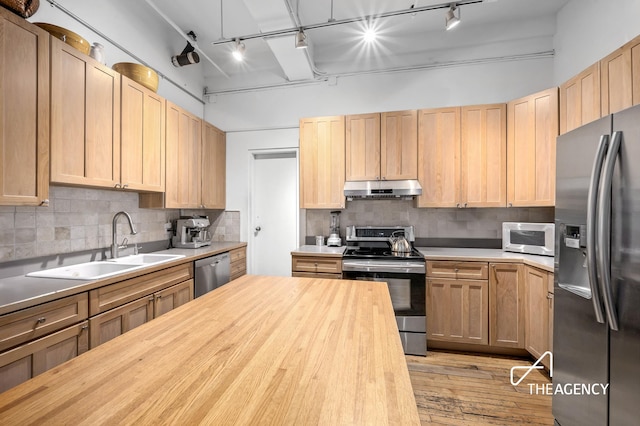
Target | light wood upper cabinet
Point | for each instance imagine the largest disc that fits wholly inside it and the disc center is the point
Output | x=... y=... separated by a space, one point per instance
x=85 y=119
x=214 y=166
x=399 y=145
x=484 y=156
x=620 y=78
x=506 y=305
x=439 y=157
x=322 y=162
x=24 y=112
x=580 y=99
x=532 y=128
x=143 y=140
x=183 y=173
x=382 y=146
x=362 y=155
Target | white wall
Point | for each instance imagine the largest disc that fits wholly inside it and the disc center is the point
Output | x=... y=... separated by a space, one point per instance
x=127 y=23
x=438 y=87
x=239 y=148
x=274 y=114
x=588 y=30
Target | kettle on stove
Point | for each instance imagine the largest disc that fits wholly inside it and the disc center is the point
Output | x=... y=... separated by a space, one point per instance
x=399 y=243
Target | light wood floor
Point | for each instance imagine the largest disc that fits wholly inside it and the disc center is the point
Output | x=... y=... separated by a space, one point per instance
x=471 y=389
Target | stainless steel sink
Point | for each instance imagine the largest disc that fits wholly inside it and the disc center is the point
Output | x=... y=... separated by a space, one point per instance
x=146 y=259
x=86 y=271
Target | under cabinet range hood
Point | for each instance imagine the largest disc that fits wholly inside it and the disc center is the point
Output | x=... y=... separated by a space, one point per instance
x=403 y=189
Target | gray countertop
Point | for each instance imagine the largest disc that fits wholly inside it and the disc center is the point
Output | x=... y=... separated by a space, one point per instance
x=320 y=251
x=486 y=255
x=21 y=292
x=445 y=253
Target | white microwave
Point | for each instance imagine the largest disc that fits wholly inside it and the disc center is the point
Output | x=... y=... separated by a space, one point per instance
x=532 y=238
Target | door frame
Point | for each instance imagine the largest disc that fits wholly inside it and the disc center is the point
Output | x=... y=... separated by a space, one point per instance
x=275 y=153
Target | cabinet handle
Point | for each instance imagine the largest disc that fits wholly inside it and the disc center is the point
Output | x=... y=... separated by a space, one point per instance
x=458 y=205
x=465 y=205
x=45 y=202
x=84 y=327
x=41 y=320
x=456 y=270
x=125 y=186
x=117 y=185
x=510 y=205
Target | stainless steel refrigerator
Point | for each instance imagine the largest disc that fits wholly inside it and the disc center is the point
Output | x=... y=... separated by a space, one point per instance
x=596 y=336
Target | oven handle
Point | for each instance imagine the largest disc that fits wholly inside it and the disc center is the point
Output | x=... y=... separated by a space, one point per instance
x=381 y=266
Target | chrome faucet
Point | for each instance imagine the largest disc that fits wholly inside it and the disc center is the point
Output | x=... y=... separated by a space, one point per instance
x=114 y=245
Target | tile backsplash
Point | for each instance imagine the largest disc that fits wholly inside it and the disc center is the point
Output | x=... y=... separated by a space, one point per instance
x=428 y=222
x=80 y=219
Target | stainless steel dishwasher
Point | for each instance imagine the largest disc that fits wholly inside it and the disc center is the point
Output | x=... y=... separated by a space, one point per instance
x=211 y=273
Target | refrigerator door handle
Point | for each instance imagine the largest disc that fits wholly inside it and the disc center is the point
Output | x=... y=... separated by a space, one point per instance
x=604 y=230
x=592 y=203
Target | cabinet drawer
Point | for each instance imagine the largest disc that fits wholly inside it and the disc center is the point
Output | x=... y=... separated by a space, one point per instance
x=326 y=265
x=24 y=362
x=458 y=270
x=238 y=254
x=108 y=297
x=238 y=269
x=19 y=327
x=312 y=275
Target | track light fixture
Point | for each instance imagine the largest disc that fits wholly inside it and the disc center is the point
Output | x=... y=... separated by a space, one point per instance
x=301 y=40
x=451 y=19
x=238 y=52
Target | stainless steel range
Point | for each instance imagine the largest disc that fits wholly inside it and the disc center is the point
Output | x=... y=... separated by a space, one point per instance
x=369 y=257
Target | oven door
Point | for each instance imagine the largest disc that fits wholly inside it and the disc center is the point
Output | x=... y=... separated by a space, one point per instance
x=408 y=297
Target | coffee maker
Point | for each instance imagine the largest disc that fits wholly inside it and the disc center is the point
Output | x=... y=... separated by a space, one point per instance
x=192 y=233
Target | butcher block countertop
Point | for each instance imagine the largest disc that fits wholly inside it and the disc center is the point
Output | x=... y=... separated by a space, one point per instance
x=260 y=350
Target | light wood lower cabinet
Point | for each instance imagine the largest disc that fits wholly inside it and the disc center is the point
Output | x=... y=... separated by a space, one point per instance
x=506 y=305
x=238 y=259
x=123 y=306
x=539 y=312
x=28 y=324
x=458 y=310
x=316 y=266
x=457 y=302
x=24 y=362
x=115 y=322
x=172 y=297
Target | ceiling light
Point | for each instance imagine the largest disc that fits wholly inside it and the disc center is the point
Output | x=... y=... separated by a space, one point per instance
x=369 y=35
x=238 y=52
x=301 y=40
x=451 y=20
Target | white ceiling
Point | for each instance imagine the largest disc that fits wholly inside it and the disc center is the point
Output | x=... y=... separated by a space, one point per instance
x=513 y=27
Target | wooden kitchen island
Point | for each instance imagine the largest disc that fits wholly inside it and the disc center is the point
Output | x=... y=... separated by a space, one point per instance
x=260 y=350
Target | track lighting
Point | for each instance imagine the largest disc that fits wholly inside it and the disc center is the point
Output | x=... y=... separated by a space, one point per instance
x=238 y=52
x=369 y=35
x=301 y=40
x=451 y=20
x=187 y=57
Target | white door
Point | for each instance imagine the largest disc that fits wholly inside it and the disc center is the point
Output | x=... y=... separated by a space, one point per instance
x=273 y=209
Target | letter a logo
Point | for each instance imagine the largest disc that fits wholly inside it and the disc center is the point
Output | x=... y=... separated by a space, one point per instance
x=528 y=368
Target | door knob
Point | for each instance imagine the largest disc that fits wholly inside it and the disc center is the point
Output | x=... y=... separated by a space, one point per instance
x=258 y=229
